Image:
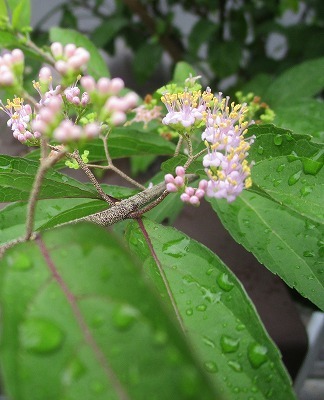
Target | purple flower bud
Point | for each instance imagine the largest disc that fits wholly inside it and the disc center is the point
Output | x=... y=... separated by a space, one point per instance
x=180 y=171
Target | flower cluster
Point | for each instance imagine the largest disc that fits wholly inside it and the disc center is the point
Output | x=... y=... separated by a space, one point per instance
x=225 y=126
x=147 y=112
x=185 y=109
x=19 y=119
x=106 y=95
x=189 y=194
x=11 y=65
x=69 y=59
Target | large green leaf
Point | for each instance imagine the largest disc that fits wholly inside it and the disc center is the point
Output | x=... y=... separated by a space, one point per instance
x=124 y=142
x=289 y=169
x=79 y=321
x=97 y=66
x=214 y=310
x=52 y=212
x=286 y=242
x=17 y=176
x=21 y=15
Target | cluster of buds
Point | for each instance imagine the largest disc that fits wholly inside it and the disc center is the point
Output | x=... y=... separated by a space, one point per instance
x=225 y=126
x=73 y=95
x=48 y=116
x=106 y=94
x=11 y=66
x=44 y=87
x=69 y=59
x=189 y=194
x=67 y=131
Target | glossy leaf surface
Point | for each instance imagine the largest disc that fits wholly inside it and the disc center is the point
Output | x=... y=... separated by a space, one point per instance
x=214 y=310
x=80 y=321
x=17 y=176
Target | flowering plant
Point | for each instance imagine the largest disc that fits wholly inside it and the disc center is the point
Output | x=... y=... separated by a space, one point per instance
x=142 y=310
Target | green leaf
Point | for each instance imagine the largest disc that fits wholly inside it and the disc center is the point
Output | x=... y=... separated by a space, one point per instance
x=288 y=243
x=108 y=30
x=143 y=69
x=302 y=81
x=8 y=40
x=97 y=66
x=200 y=33
x=17 y=176
x=3 y=10
x=170 y=165
x=289 y=169
x=50 y=213
x=123 y=142
x=214 y=310
x=21 y=15
x=167 y=211
x=182 y=71
x=225 y=57
x=75 y=310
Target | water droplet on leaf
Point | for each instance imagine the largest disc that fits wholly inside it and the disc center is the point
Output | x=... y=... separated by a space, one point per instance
x=229 y=344
x=208 y=342
x=176 y=248
x=189 y=312
x=306 y=190
x=124 y=316
x=294 y=178
x=201 y=307
x=277 y=140
x=211 y=367
x=19 y=261
x=257 y=355
x=72 y=372
x=260 y=150
x=308 y=253
x=40 y=335
x=237 y=367
x=224 y=282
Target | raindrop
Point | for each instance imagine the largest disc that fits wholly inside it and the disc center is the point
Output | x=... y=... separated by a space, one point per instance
x=260 y=150
x=72 y=372
x=277 y=140
x=224 y=282
x=40 y=335
x=294 y=178
x=160 y=337
x=19 y=261
x=209 y=271
x=292 y=157
x=97 y=387
x=237 y=367
x=176 y=248
x=229 y=344
x=240 y=327
x=211 y=367
x=201 y=307
x=208 y=342
x=257 y=355
x=306 y=190
x=64 y=178
x=308 y=253
x=276 y=182
x=189 y=312
x=124 y=316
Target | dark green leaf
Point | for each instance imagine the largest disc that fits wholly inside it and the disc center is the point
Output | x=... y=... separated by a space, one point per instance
x=225 y=57
x=200 y=34
x=17 y=176
x=287 y=243
x=214 y=310
x=124 y=142
x=97 y=66
x=300 y=82
x=75 y=311
x=167 y=211
x=108 y=30
x=146 y=60
x=170 y=165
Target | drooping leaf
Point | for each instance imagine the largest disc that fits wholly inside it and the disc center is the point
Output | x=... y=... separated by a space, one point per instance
x=214 y=310
x=97 y=66
x=17 y=176
x=75 y=310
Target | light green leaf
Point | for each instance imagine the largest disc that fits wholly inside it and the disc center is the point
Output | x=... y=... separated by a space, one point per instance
x=7 y=40
x=182 y=71
x=3 y=9
x=75 y=310
x=21 y=15
x=97 y=66
x=214 y=310
x=17 y=176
